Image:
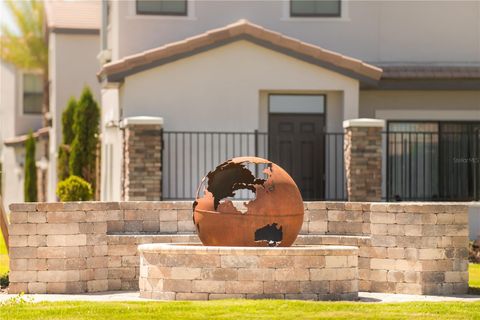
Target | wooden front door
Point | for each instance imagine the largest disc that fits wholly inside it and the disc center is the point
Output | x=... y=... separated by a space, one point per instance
x=296 y=143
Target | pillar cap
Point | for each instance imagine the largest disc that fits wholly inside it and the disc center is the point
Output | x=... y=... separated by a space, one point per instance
x=364 y=122
x=142 y=121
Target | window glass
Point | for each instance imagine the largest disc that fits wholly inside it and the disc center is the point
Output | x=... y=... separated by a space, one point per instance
x=283 y=103
x=162 y=7
x=315 y=8
x=32 y=93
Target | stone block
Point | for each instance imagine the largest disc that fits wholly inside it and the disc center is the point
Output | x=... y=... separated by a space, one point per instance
x=244 y=287
x=282 y=287
x=191 y=296
x=220 y=296
x=23 y=252
x=209 y=286
x=185 y=273
x=168 y=215
x=382 y=264
x=37 y=287
x=256 y=274
x=23 y=276
x=289 y=273
x=36 y=217
x=336 y=261
x=22 y=229
x=226 y=274
x=59 y=276
x=395 y=253
x=175 y=285
x=18 y=217
x=66 y=216
x=37 y=241
x=395 y=276
x=97 y=285
x=382 y=217
x=317 y=227
x=168 y=226
x=18 y=241
x=58 y=228
x=230 y=261
x=431 y=254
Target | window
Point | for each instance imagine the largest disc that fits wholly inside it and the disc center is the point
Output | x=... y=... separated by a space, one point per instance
x=315 y=8
x=162 y=7
x=297 y=103
x=433 y=160
x=32 y=93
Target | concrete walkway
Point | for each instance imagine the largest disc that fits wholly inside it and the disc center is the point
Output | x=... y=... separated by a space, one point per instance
x=133 y=296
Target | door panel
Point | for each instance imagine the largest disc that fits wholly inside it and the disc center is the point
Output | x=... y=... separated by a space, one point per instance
x=296 y=143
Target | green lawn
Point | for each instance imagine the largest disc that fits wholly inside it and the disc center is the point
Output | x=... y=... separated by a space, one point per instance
x=240 y=309
x=474 y=277
x=3 y=256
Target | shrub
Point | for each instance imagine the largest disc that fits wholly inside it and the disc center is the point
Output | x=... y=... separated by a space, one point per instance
x=68 y=136
x=4 y=281
x=84 y=144
x=30 y=183
x=74 y=189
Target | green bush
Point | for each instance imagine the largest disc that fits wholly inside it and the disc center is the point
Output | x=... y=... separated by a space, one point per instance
x=86 y=121
x=30 y=183
x=4 y=282
x=74 y=189
x=68 y=136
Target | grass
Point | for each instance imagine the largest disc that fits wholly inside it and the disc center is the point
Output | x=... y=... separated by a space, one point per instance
x=3 y=256
x=240 y=309
x=474 y=275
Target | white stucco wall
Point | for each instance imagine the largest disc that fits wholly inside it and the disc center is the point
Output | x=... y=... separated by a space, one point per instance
x=13 y=122
x=224 y=89
x=73 y=64
x=376 y=31
x=420 y=105
x=112 y=145
x=220 y=89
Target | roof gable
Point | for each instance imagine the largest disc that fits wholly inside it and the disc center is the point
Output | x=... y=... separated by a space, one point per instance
x=241 y=30
x=73 y=16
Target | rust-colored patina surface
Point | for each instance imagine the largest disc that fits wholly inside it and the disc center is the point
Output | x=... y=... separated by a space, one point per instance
x=273 y=218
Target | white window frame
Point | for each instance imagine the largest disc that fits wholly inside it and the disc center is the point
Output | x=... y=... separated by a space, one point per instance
x=21 y=93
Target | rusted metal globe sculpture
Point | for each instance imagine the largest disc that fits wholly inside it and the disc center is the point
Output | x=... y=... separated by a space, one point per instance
x=273 y=218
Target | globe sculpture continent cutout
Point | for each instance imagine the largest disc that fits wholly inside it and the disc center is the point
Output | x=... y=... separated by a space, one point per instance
x=273 y=218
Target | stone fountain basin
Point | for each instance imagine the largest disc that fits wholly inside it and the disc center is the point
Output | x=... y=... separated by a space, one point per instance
x=196 y=272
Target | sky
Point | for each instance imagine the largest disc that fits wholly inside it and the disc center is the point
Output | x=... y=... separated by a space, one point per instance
x=4 y=15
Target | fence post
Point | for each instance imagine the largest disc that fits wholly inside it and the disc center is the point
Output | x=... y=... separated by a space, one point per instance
x=363 y=159
x=142 y=175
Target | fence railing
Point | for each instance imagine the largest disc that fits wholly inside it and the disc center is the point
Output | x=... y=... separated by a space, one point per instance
x=432 y=166
x=188 y=156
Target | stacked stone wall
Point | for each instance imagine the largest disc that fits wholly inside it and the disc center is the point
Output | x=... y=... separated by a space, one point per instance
x=92 y=246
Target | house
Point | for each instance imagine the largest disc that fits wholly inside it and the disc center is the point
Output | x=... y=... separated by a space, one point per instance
x=21 y=94
x=73 y=29
x=277 y=78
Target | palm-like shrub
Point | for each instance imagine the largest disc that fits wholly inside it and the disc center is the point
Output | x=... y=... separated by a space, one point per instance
x=85 y=129
x=30 y=182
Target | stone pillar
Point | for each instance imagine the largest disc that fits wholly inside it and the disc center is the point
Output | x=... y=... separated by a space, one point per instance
x=142 y=154
x=363 y=159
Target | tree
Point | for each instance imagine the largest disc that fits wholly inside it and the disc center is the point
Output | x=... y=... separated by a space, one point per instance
x=25 y=45
x=85 y=128
x=68 y=136
x=30 y=183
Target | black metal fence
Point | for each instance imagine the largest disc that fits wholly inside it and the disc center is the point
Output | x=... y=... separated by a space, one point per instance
x=188 y=156
x=432 y=166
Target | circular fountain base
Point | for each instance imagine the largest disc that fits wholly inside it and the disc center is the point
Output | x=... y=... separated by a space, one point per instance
x=196 y=272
